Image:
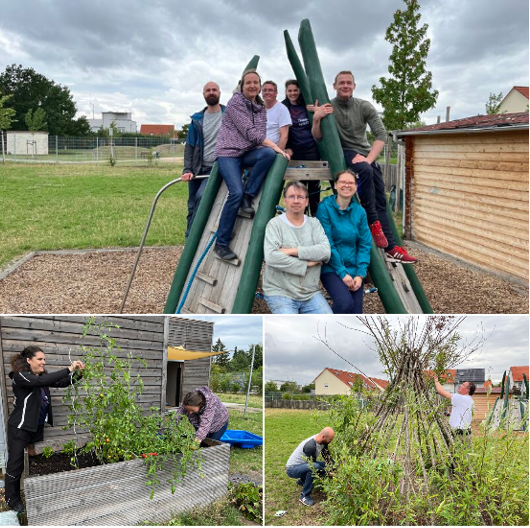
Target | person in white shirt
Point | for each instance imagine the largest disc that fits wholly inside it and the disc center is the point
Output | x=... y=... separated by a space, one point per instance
x=463 y=405
x=278 y=116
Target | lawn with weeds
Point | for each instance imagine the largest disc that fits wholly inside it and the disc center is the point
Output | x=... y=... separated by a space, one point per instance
x=284 y=430
x=47 y=207
x=255 y=400
x=246 y=461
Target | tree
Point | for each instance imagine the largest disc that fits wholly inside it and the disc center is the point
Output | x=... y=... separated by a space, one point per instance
x=240 y=361
x=6 y=119
x=270 y=386
x=407 y=92
x=289 y=386
x=183 y=133
x=306 y=389
x=258 y=355
x=221 y=360
x=31 y=89
x=494 y=103
x=35 y=120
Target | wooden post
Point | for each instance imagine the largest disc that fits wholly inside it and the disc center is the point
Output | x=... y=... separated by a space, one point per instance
x=399 y=168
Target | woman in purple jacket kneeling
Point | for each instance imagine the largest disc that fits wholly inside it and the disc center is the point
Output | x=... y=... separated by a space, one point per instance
x=242 y=143
x=205 y=412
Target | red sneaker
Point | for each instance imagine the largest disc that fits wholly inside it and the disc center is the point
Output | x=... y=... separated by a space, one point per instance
x=399 y=254
x=378 y=235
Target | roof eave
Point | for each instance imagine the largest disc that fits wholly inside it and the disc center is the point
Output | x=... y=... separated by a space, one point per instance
x=460 y=130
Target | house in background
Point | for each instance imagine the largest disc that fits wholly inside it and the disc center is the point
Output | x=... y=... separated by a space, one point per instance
x=447 y=380
x=333 y=381
x=516 y=377
x=466 y=191
x=158 y=130
x=122 y=120
x=515 y=101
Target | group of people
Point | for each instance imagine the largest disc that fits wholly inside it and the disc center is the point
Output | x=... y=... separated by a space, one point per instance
x=33 y=409
x=333 y=245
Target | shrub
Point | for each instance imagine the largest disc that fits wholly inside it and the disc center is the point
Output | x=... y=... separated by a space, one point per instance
x=287 y=396
x=249 y=499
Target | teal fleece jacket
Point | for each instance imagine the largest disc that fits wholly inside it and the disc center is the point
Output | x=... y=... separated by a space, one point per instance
x=349 y=237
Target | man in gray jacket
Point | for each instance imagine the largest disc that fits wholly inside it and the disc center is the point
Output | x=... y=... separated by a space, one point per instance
x=295 y=248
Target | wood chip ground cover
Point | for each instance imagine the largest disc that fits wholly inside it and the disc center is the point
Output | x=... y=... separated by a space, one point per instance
x=94 y=282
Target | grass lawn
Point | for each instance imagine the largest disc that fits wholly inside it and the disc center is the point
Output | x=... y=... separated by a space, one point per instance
x=255 y=400
x=246 y=461
x=87 y=206
x=284 y=430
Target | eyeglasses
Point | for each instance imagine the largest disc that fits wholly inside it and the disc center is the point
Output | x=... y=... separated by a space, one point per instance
x=298 y=197
x=346 y=184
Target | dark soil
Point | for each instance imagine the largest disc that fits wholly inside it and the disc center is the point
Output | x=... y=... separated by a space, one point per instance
x=58 y=463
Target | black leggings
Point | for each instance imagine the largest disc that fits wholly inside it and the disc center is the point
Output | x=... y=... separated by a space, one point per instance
x=18 y=440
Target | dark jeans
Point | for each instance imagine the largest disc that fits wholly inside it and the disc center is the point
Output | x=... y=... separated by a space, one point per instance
x=18 y=440
x=313 y=187
x=304 y=473
x=195 y=189
x=218 y=434
x=371 y=191
x=345 y=301
x=261 y=160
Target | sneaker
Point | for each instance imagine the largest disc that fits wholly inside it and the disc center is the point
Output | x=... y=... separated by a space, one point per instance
x=378 y=235
x=306 y=501
x=224 y=252
x=18 y=507
x=399 y=254
x=246 y=206
x=300 y=482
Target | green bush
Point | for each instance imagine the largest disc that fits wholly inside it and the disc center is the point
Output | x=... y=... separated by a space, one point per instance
x=287 y=396
x=249 y=499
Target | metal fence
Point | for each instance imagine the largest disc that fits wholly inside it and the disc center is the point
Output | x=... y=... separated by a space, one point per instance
x=143 y=150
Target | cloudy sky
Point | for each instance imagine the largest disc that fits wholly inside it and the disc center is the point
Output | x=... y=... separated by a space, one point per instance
x=293 y=354
x=235 y=330
x=152 y=58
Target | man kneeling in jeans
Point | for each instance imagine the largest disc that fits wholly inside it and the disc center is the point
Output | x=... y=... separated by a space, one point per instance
x=309 y=450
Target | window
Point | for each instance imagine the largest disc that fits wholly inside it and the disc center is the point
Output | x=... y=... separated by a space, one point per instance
x=350 y=383
x=325 y=385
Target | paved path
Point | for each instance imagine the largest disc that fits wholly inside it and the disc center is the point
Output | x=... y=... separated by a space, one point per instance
x=241 y=407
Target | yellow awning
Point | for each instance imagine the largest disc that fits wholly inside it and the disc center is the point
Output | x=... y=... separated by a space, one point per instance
x=181 y=354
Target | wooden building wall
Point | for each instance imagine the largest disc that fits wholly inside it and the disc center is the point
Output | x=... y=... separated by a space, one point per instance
x=58 y=335
x=467 y=196
x=192 y=334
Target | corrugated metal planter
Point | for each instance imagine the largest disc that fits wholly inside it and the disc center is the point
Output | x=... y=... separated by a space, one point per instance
x=116 y=494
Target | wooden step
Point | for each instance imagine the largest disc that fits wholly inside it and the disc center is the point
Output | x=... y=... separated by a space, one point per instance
x=307 y=174
x=212 y=306
x=206 y=278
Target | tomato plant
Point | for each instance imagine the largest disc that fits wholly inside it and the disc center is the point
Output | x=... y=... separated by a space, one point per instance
x=105 y=402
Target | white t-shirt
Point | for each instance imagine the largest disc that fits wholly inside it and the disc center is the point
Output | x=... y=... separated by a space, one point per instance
x=277 y=117
x=462 y=412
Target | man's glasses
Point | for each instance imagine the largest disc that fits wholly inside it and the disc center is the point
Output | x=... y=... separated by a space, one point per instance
x=298 y=197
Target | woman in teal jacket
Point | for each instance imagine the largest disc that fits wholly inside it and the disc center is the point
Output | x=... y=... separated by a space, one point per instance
x=346 y=227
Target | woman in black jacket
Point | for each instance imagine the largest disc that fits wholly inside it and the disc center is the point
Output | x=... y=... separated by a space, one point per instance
x=32 y=409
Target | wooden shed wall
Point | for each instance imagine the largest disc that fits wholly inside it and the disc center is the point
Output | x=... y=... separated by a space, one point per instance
x=468 y=197
x=196 y=335
x=57 y=335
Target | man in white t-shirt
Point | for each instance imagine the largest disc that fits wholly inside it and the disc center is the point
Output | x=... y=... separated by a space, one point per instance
x=463 y=405
x=278 y=116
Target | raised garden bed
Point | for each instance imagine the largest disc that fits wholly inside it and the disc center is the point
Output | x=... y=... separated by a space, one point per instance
x=116 y=494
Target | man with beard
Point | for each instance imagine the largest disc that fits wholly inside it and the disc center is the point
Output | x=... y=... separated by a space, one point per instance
x=199 y=153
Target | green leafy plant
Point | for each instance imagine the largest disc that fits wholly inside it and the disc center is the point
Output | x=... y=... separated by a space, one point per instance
x=249 y=499
x=47 y=452
x=105 y=402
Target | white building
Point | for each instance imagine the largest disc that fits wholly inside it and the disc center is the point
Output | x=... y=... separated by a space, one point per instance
x=25 y=143
x=122 y=120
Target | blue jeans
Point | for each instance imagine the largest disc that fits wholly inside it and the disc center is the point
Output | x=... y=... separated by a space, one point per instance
x=261 y=160
x=195 y=189
x=284 y=305
x=218 y=434
x=304 y=473
x=371 y=193
x=345 y=301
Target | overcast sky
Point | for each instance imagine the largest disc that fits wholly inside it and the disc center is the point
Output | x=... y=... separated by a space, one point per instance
x=293 y=354
x=235 y=330
x=152 y=58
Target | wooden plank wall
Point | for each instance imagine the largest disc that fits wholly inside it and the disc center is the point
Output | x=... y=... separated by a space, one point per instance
x=197 y=335
x=469 y=197
x=61 y=336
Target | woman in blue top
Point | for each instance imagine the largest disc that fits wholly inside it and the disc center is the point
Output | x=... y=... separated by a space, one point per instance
x=346 y=227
